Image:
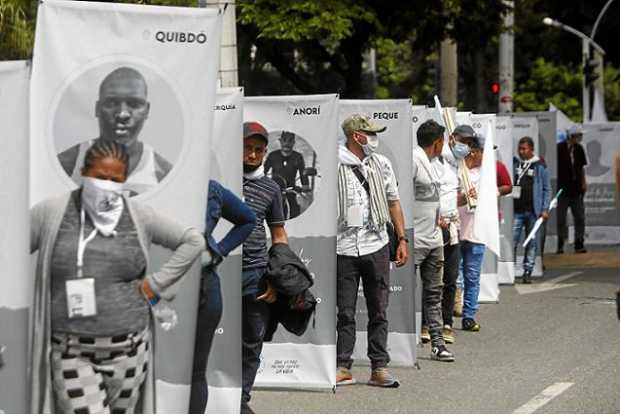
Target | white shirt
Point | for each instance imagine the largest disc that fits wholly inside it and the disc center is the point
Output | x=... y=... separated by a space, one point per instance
x=360 y=241
x=426 y=190
x=449 y=185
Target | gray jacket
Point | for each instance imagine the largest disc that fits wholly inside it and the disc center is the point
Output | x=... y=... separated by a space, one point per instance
x=152 y=227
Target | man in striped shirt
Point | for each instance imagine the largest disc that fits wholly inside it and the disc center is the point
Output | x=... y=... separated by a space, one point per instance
x=264 y=197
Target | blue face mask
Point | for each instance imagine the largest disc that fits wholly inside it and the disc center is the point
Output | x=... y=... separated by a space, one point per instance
x=460 y=150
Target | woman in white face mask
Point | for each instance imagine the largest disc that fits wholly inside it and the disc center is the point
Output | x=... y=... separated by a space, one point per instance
x=94 y=289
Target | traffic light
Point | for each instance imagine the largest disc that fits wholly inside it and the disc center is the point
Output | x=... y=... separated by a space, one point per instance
x=494 y=88
x=590 y=72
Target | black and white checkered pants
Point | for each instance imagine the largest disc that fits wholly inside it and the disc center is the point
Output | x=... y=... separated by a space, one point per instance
x=99 y=375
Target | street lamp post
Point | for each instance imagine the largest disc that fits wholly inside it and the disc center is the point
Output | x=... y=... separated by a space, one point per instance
x=586 y=42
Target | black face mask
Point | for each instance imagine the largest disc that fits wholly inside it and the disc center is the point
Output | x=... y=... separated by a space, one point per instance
x=247 y=168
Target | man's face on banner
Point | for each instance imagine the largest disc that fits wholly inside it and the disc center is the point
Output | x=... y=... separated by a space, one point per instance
x=287 y=142
x=122 y=108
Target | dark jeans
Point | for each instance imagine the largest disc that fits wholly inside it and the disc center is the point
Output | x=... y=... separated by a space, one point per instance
x=577 y=208
x=255 y=320
x=209 y=316
x=374 y=270
x=430 y=265
x=523 y=223
x=451 y=259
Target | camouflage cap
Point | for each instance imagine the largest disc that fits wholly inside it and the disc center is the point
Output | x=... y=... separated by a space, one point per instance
x=357 y=122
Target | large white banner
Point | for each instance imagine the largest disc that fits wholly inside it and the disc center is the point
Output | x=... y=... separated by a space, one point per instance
x=486 y=218
x=89 y=60
x=601 y=143
x=505 y=153
x=396 y=145
x=308 y=361
x=15 y=277
x=419 y=115
x=224 y=367
x=547 y=150
x=526 y=126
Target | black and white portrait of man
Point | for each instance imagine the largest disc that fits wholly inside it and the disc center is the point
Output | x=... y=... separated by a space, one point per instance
x=122 y=109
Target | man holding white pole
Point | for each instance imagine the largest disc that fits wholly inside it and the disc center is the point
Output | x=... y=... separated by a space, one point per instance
x=532 y=194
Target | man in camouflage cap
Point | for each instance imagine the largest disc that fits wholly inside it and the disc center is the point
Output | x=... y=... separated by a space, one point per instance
x=367 y=200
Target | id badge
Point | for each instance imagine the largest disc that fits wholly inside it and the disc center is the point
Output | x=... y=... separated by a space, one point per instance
x=516 y=192
x=81 y=302
x=355 y=216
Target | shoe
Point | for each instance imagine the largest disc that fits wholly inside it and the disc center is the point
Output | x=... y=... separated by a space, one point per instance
x=470 y=325
x=458 y=303
x=527 y=277
x=344 y=376
x=560 y=249
x=441 y=353
x=448 y=334
x=580 y=249
x=245 y=408
x=381 y=377
x=425 y=335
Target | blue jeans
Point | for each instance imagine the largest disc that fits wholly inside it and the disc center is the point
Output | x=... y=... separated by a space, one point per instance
x=472 y=255
x=209 y=316
x=524 y=222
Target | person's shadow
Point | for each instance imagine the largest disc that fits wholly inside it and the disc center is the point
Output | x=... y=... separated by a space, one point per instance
x=594 y=167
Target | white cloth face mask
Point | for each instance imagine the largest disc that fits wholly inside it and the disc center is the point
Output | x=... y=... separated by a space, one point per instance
x=103 y=201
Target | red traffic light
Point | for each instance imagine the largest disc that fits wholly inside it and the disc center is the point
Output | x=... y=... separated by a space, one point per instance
x=495 y=88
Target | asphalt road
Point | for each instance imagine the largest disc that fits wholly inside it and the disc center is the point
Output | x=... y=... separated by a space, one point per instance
x=563 y=338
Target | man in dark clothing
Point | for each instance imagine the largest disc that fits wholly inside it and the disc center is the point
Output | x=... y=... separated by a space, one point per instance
x=285 y=164
x=572 y=179
x=263 y=196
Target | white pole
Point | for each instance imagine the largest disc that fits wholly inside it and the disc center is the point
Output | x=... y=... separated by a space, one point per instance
x=228 y=74
x=506 y=61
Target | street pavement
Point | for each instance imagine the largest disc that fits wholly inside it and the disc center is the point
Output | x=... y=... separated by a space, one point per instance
x=553 y=351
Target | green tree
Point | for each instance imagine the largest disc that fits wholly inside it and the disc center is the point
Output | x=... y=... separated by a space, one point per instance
x=551 y=83
x=17 y=19
x=318 y=46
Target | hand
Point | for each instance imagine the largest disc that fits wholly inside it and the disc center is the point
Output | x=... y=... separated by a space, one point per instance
x=545 y=215
x=402 y=254
x=473 y=194
x=148 y=293
x=443 y=223
x=584 y=187
x=269 y=296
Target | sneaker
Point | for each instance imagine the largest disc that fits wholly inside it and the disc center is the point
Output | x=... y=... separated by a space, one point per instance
x=425 y=335
x=381 y=377
x=458 y=303
x=245 y=408
x=344 y=376
x=527 y=277
x=470 y=325
x=448 y=334
x=441 y=353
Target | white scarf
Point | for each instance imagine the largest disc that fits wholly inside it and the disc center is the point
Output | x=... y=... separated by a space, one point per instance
x=346 y=157
x=103 y=202
x=256 y=174
x=379 y=210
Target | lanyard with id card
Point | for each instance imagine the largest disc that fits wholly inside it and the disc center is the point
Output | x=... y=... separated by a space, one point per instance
x=81 y=301
x=516 y=189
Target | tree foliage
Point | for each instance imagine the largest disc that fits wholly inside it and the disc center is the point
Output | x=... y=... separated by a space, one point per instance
x=318 y=46
x=551 y=83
